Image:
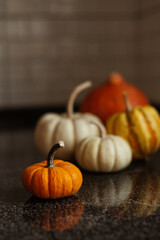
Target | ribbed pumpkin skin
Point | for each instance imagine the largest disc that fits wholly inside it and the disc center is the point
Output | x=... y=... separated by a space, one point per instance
x=140 y=127
x=64 y=179
x=106 y=99
x=52 y=127
x=107 y=154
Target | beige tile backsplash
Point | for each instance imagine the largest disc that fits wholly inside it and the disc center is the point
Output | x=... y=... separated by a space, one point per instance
x=47 y=47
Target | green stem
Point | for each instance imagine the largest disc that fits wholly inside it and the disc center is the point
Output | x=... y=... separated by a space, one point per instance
x=52 y=153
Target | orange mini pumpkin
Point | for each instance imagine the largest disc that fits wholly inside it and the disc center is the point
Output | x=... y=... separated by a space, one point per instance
x=106 y=99
x=52 y=179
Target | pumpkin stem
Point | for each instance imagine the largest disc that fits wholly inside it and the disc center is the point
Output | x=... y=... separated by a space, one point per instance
x=52 y=153
x=103 y=131
x=127 y=102
x=73 y=95
x=116 y=78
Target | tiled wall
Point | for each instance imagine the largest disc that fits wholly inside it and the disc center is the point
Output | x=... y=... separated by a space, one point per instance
x=47 y=47
x=148 y=64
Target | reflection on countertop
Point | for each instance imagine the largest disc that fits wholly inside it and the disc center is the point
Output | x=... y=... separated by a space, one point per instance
x=56 y=215
x=123 y=205
x=131 y=193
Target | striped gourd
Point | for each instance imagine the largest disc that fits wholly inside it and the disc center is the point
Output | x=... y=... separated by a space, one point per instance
x=140 y=126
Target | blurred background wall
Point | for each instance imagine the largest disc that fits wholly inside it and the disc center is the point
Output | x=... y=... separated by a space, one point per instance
x=47 y=47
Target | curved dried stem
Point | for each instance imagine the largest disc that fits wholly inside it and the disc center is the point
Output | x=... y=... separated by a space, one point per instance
x=73 y=96
x=52 y=153
x=103 y=131
x=127 y=102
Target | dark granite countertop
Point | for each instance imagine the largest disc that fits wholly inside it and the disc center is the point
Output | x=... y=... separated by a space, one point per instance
x=123 y=205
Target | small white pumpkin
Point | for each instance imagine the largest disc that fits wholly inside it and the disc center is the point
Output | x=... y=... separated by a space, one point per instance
x=105 y=153
x=69 y=127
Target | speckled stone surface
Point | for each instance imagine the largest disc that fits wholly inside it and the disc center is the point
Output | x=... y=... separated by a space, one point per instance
x=124 y=205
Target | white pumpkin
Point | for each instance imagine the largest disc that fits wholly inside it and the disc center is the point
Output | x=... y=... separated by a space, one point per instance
x=69 y=127
x=105 y=153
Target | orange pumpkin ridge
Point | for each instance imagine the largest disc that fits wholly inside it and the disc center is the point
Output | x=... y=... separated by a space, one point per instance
x=52 y=178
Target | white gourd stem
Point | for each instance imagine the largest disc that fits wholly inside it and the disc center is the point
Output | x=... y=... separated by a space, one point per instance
x=102 y=129
x=73 y=95
x=52 y=153
x=127 y=102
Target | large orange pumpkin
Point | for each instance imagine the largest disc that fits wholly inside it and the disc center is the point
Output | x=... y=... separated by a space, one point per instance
x=53 y=215
x=52 y=179
x=106 y=99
